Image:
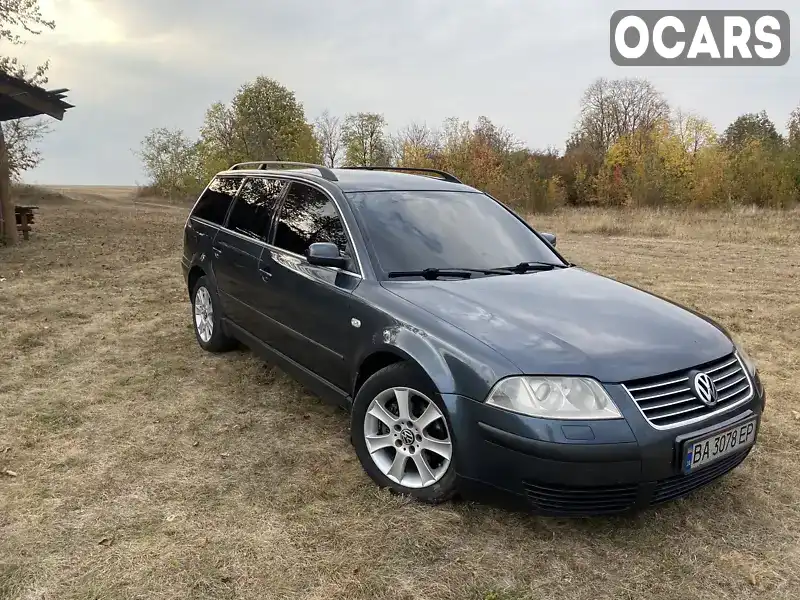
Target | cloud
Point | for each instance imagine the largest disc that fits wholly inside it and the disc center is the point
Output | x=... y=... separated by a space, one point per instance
x=132 y=66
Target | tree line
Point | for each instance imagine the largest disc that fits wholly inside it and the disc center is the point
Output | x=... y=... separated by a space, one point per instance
x=629 y=147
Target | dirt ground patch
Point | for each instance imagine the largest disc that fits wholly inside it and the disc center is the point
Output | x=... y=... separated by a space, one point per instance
x=146 y=468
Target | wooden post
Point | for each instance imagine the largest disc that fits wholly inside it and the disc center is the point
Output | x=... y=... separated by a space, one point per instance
x=25 y=226
x=8 y=232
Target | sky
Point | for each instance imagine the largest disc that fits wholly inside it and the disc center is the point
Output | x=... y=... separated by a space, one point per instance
x=133 y=66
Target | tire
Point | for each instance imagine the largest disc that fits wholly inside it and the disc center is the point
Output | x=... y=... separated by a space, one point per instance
x=411 y=444
x=207 y=314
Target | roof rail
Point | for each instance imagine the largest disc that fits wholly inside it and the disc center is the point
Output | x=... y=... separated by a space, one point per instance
x=325 y=172
x=443 y=174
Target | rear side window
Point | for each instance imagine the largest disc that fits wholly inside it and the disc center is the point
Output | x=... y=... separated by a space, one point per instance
x=215 y=201
x=253 y=208
x=308 y=216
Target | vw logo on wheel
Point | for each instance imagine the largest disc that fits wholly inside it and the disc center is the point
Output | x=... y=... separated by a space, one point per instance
x=407 y=436
x=704 y=389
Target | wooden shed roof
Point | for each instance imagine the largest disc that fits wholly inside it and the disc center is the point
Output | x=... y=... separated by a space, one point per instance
x=20 y=99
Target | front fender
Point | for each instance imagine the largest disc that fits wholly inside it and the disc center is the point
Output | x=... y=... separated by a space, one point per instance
x=451 y=370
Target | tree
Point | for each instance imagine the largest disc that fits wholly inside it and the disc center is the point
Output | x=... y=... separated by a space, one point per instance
x=269 y=124
x=365 y=140
x=264 y=121
x=21 y=137
x=695 y=132
x=455 y=139
x=614 y=108
x=498 y=139
x=172 y=162
x=762 y=175
x=328 y=131
x=610 y=110
x=24 y=14
x=218 y=148
x=415 y=145
x=750 y=127
x=525 y=183
x=579 y=167
x=761 y=168
x=794 y=128
x=793 y=154
x=17 y=139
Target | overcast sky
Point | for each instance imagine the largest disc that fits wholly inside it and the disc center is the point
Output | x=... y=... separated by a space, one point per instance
x=135 y=65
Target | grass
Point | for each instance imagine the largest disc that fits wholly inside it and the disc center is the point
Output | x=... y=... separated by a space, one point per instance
x=149 y=469
x=741 y=225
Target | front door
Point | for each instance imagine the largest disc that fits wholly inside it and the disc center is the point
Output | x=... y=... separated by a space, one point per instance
x=309 y=306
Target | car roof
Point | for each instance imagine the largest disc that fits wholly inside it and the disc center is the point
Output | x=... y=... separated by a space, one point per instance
x=354 y=180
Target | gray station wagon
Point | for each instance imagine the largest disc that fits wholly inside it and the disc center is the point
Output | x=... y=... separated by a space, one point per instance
x=472 y=356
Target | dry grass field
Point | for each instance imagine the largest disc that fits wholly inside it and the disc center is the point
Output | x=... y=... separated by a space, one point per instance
x=145 y=468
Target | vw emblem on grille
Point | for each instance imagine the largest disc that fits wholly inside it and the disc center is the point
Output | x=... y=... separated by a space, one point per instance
x=704 y=389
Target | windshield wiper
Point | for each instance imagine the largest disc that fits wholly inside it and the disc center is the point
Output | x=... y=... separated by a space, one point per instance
x=526 y=266
x=434 y=273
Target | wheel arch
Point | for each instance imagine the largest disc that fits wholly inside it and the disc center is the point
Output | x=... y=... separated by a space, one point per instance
x=195 y=273
x=374 y=362
x=405 y=346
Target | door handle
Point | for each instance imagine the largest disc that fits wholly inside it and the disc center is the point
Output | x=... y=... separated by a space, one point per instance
x=217 y=251
x=266 y=274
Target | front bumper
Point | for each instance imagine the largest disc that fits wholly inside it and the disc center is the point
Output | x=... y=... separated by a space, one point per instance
x=581 y=468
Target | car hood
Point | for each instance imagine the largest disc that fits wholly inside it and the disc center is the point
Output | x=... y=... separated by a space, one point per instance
x=572 y=322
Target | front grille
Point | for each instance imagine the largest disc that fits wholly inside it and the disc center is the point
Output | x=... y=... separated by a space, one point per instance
x=680 y=485
x=668 y=401
x=568 y=501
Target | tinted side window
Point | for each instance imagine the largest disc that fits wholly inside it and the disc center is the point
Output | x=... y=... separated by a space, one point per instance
x=253 y=208
x=215 y=201
x=308 y=216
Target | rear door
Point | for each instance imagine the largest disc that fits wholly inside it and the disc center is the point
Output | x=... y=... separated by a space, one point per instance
x=308 y=307
x=238 y=247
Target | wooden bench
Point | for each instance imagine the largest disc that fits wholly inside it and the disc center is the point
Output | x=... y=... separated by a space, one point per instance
x=25 y=218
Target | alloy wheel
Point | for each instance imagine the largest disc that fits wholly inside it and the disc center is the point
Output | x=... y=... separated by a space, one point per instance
x=203 y=314
x=407 y=437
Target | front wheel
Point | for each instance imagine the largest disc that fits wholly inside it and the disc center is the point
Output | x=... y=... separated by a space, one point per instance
x=402 y=436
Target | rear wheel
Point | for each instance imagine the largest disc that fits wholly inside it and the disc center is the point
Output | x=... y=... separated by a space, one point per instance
x=402 y=435
x=207 y=319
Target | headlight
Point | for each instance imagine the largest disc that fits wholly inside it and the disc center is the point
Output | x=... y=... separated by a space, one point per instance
x=554 y=398
x=748 y=362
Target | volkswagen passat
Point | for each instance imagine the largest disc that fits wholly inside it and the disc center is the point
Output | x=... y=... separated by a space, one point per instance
x=471 y=355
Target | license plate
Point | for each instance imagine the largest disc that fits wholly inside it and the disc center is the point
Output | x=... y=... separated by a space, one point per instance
x=704 y=451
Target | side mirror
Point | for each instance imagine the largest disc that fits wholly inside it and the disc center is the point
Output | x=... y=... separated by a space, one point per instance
x=325 y=254
x=550 y=237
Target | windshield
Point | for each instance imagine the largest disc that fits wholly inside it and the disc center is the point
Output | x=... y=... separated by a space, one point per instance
x=416 y=230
